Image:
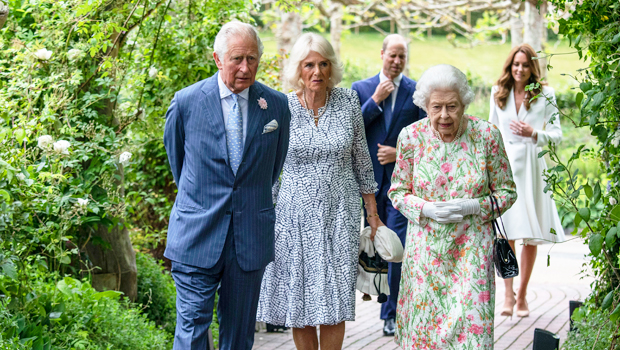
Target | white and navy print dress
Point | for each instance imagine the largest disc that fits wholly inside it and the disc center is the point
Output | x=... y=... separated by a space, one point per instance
x=312 y=279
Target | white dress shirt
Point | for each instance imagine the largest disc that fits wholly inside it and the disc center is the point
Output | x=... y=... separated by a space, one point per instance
x=228 y=102
x=396 y=81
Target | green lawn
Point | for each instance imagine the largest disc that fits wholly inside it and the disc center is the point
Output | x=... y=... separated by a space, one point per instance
x=484 y=61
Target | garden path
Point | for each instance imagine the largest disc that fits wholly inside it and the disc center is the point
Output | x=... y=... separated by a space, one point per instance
x=550 y=290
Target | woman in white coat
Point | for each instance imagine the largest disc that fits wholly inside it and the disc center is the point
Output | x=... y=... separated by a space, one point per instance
x=526 y=127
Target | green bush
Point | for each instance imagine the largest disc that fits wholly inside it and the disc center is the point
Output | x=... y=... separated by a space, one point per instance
x=156 y=292
x=594 y=332
x=356 y=70
x=70 y=314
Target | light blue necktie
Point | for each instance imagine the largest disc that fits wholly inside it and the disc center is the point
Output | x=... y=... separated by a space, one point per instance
x=234 y=135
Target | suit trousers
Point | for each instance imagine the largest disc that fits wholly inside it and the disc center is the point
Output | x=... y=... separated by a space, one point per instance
x=395 y=221
x=237 y=304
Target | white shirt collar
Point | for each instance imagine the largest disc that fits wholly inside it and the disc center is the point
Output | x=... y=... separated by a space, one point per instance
x=225 y=92
x=383 y=77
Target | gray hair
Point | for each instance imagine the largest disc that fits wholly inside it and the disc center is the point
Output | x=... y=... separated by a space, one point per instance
x=396 y=37
x=232 y=29
x=442 y=77
x=302 y=48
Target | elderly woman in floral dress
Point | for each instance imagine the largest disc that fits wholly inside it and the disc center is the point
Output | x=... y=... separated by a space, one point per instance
x=448 y=166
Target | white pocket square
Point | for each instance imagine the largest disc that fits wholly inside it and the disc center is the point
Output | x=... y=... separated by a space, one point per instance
x=271 y=126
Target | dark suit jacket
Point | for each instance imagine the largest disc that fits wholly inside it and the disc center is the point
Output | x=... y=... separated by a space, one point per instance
x=404 y=113
x=209 y=194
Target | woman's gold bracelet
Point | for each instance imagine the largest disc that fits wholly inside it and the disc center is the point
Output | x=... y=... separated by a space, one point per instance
x=372 y=215
x=366 y=204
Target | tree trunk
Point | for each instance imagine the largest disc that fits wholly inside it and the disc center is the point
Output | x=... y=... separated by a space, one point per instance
x=336 y=26
x=534 y=29
x=4 y=12
x=516 y=29
x=116 y=264
x=404 y=32
x=287 y=33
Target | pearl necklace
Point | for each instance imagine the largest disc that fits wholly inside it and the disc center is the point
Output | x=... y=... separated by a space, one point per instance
x=459 y=133
x=316 y=118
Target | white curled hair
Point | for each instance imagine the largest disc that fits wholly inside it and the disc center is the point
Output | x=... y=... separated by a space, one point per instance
x=233 y=29
x=302 y=48
x=442 y=77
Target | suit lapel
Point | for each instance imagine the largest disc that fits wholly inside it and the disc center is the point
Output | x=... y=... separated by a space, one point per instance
x=212 y=106
x=401 y=97
x=255 y=116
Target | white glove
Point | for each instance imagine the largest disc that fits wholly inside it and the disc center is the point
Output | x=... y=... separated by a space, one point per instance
x=461 y=206
x=443 y=215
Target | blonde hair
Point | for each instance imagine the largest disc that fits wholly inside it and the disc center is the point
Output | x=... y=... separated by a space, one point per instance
x=302 y=48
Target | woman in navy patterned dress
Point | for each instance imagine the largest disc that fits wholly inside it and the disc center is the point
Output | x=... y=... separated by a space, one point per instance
x=311 y=282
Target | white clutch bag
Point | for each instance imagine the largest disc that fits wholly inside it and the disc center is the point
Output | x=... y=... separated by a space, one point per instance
x=386 y=241
x=372 y=275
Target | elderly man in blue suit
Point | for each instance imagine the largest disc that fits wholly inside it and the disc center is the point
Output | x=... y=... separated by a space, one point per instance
x=226 y=139
x=387 y=107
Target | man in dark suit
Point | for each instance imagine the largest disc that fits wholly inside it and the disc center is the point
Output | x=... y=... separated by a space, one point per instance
x=226 y=139
x=387 y=107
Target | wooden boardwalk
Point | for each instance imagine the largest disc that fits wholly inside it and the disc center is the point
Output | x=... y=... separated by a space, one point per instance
x=550 y=290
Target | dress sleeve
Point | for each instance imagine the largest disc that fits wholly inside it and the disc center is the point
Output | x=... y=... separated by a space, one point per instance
x=553 y=129
x=499 y=176
x=362 y=164
x=400 y=193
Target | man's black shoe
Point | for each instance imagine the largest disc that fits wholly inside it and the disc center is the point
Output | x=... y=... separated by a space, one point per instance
x=390 y=327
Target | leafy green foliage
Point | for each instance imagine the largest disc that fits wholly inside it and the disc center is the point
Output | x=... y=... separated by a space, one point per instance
x=72 y=315
x=594 y=31
x=594 y=331
x=156 y=292
x=83 y=85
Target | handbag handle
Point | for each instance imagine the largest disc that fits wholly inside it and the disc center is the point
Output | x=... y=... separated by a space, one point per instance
x=494 y=207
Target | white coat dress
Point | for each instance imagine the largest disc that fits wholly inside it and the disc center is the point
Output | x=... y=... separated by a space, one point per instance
x=534 y=213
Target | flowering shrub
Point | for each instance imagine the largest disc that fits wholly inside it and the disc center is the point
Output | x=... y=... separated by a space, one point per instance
x=83 y=83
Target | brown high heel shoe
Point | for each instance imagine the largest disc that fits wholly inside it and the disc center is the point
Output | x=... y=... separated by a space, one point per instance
x=523 y=312
x=508 y=309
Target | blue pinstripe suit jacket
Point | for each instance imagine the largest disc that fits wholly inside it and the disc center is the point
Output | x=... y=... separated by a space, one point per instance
x=209 y=194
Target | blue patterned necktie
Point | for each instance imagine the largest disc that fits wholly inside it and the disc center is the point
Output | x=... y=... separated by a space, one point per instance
x=387 y=111
x=234 y=135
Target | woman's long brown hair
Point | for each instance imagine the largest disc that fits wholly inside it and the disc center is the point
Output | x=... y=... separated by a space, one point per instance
x=506 y=82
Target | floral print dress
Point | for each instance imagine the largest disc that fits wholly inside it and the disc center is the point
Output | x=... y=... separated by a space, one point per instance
x=447 y=288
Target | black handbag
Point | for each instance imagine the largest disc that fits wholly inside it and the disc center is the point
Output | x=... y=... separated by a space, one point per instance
x=506 y=265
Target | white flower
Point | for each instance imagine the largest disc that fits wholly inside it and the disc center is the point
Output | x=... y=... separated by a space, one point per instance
x=616 y=139
x=612 y=201
x=124 y=158
x=44 y=141
x=62 y=146
x=75 y=54
x=153 y=72
x=82 y=202
x=43 y=54
x=20 y=176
